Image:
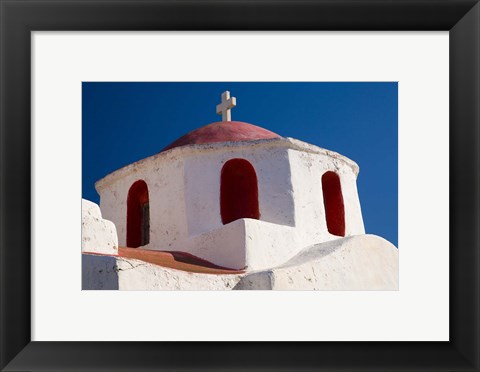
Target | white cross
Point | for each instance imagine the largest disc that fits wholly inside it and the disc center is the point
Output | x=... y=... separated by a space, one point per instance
x=226 y=106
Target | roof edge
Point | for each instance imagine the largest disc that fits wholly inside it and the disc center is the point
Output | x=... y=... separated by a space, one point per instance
x=174 y=152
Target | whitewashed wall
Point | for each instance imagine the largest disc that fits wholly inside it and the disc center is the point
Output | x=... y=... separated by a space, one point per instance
x=164 y=178
x=307 y=169
x=202 y=185
x=334 y=265
x=184 y=193
x=98 y=234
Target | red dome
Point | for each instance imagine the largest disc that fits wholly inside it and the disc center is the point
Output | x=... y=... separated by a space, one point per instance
x=223 y=131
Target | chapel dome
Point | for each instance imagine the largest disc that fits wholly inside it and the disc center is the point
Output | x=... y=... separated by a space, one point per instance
x=223 y=131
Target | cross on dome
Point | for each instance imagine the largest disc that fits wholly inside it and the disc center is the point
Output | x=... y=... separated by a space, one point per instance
x=225 y=107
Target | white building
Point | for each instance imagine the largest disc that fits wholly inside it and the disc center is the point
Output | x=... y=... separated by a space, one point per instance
x=238 y=196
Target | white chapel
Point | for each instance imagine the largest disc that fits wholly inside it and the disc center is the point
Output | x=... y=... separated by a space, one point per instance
x=231 y=205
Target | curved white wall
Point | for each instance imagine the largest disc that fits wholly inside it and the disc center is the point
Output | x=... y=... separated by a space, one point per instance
x=184 y=194
x=202 y=186
x=307 y=170
x=98 y=235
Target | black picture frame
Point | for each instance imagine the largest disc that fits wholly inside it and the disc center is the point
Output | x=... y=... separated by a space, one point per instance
x=18 y=18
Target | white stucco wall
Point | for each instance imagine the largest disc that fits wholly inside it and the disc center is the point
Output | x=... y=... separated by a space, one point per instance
x=307 y=169
x=98 y=235
x=184 y=193
x=246 y=244
x=164 y=178
x=365 y=262
x=118 y=273
x=202 y=185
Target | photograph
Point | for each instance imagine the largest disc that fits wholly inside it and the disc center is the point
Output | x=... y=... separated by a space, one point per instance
x=240 y=186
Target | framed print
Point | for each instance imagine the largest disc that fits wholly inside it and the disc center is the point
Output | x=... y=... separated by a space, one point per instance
x=55 y=70
x=56 y=100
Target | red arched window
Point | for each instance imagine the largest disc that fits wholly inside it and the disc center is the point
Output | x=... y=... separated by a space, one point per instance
x=138 y=215
x=333 y=201
x=238 y=191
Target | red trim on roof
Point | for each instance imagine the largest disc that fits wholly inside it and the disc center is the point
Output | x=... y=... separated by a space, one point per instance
x=175 y=260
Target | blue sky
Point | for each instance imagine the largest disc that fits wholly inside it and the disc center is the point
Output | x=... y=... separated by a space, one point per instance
x=126 y=122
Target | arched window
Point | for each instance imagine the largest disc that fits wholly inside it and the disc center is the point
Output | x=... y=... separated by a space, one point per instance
x=238 y=191
x=333 y=201
x=138 y=215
